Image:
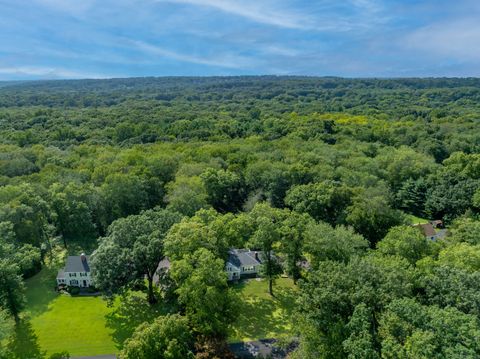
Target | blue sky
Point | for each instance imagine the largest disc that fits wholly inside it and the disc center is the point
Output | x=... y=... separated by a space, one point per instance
x=45 y=39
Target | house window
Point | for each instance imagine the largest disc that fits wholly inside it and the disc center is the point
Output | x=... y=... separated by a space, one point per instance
x=74 y=281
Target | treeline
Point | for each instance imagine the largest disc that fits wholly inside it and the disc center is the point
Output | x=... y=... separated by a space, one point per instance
x=435 y=116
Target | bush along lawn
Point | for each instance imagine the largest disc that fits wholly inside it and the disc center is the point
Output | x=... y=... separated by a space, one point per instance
x=261 y=315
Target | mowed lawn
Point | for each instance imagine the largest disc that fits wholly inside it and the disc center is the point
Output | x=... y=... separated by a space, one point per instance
x=416 y=220
x=79 y=325
x=261 y=315
x=87 y=326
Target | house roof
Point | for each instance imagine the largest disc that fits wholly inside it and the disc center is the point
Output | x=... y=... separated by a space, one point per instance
x=75 y=264
x=427 y=229
x=437 y=222
x=243 y=257
x=61 y=274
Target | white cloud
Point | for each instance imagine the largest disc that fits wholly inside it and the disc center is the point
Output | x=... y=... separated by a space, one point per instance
x=456 y=39
x=75 y=7
x=228 y=60
x=253 y=10
x=372 y=6
x=279 y=50
x=47 y=72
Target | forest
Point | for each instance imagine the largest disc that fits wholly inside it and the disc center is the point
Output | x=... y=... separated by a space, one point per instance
x=325 y=176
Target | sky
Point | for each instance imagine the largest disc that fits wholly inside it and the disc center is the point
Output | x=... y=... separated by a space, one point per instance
x=58 y=39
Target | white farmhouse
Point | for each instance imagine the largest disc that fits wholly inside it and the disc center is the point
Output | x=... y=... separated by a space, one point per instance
x=76 y=272
x=243 y=263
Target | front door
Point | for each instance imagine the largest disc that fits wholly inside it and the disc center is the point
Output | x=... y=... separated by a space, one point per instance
x=84 y=283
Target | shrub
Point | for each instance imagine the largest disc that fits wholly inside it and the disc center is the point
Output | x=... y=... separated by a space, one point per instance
x=73 y=290
x=61 y=355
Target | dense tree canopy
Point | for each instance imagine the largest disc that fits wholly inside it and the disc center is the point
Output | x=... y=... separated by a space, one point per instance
x=319 y=175
x=167 y=338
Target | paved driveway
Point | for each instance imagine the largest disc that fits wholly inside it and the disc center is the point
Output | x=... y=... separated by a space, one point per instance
x=260 y=349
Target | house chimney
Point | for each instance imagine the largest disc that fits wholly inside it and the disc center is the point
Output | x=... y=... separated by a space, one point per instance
x=256 y=256
x=83 y=257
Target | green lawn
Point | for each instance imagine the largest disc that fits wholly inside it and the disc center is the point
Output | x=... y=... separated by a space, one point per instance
x=262 y=316
x=80 y=325
x=416 y=220
x=89 y=326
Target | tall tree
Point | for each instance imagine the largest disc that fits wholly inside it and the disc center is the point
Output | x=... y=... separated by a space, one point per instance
x=405 y=241
x=372 y=216
x=362 y=341
x=266 y=238
x=325 y=201
x=76 y=208
x=292 y=242
x=203 y=291
x=330 y=294
x=132 y=250
x=225 y=189
x=410 y=330
x=323 y=242
x=123 y=195
x=27 y=211
x=186 y=195
x=168 y=337
x=203 y=230
x=25 y=256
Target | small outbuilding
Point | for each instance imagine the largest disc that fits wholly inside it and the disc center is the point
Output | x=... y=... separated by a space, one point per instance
x=432 y=230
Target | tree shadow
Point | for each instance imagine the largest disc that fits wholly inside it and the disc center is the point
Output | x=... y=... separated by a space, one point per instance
x=41 y=290
x=132 y=311
x=24 y=343
x=260 y=318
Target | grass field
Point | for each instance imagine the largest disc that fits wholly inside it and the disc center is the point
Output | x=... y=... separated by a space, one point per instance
x=85 y=326
x=262 y=316
x=80 y=325
x=416 y=220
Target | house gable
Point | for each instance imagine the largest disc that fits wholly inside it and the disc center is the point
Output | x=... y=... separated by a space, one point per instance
x=242 y=262
x=76 y=272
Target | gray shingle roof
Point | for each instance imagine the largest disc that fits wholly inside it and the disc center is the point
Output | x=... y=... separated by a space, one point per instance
x=61 y=274
x=243 y=257
x=75 y=264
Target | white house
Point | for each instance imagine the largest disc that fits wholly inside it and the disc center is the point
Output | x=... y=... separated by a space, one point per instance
x=243 y=263
x=76 y=272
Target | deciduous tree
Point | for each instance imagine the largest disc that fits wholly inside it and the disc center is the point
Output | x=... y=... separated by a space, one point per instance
x=168 y=337
x=132 y=250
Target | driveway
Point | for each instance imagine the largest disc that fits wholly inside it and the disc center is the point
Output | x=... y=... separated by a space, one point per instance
x=262 y=348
